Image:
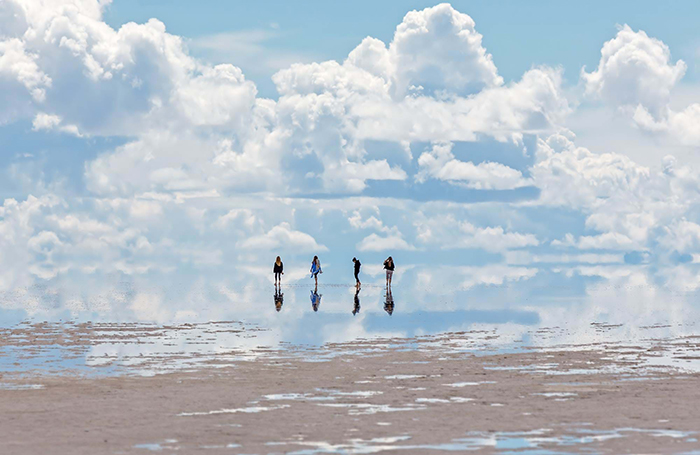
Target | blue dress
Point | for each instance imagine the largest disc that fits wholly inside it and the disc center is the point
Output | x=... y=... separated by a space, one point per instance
x=315 y=268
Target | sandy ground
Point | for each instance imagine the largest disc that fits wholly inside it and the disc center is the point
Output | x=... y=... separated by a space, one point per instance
x=391 y=396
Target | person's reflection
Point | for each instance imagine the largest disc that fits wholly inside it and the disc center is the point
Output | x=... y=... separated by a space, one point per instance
x=315 y=299
x=279 y=298
x=389 y=304
x=356 y=307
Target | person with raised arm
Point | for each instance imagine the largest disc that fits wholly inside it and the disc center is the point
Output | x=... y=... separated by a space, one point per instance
x=389 y=267
x=389 y=303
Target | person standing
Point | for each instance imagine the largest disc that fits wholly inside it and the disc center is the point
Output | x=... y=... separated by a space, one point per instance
x=357 y=272
x=389 y=267
x=316 y=269
x=278 y=270
x=279 y=299
x=315 y=299
x=389 y=304
x=356 y=306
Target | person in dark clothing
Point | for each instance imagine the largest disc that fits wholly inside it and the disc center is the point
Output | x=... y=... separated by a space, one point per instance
x=278 y=270
x=356 y=307
x=357 y=272
x=279 y=299
x=389 y=267
x=389 y=304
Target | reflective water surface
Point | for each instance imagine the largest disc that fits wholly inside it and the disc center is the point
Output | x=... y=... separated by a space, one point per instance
x=169 y=322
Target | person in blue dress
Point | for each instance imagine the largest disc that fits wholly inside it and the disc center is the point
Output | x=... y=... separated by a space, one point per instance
x=316 y=269
x=315 y=299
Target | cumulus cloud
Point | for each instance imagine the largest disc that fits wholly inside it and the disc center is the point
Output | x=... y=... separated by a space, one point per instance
x=637 y=74
x=439 y=48
x=391 y=241
x=283 y=236
x=448 y=232
x=626 y=204
x=204 y=169
x=679 y=126
x=635 y=69
x=440 y=163
x=198 y=127
x=682 y=236
x=494 y=275
x=390 y=238
x=576 y=177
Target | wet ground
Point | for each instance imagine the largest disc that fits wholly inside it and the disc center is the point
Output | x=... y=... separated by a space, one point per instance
x=423 y=395
x=309 y=370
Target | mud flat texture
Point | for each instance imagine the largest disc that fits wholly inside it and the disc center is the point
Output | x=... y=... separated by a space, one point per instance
x=370 y=396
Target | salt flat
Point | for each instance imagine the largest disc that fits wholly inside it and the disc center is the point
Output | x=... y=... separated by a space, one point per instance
x=214 y=387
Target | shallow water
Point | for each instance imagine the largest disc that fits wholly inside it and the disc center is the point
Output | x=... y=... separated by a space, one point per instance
x=150 y=326
x=534 y=442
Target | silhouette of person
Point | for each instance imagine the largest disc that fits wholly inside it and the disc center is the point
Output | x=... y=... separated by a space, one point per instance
x=389 y=304
x=315 y=299
x=315 y=269
x=389 y=267
x=356 y=307
x=279 y=299
x=357 y=272
x=278 y=270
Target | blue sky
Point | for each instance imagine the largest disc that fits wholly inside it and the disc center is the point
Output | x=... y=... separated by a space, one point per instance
x=519 y=34
x=153 y=142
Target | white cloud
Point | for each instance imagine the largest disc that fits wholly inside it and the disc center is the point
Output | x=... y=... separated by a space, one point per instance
x=682 y=236
x=448 y=232
x=244 y=216
x=636 y=73
x=372 y=222
x=575 y=177
x=207 y=170
x=606 y=241
x=197 y=127
x=680 y=126
x=123 y=81
x=525 y=257
x=635 y=69
x=19 y=70
x=493 y=238
x=283 y=236
x=43 y=121
x=494 y=275
x=439 y=48
x=392 y=241
x=440 y=163
x=626 y=203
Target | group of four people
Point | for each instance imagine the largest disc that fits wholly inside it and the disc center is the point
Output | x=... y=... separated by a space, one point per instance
x=278 y=270
x=316 y=300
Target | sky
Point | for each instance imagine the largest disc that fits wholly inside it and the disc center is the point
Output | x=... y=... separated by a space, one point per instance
x=484 y=145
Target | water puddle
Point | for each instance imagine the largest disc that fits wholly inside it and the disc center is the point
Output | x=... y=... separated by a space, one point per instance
x=248 y=410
